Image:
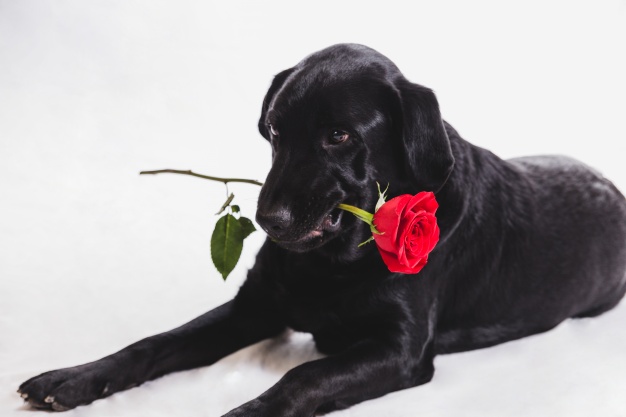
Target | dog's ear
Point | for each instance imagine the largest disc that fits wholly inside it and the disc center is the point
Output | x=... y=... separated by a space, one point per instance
x=277 y=83
x=427 y=147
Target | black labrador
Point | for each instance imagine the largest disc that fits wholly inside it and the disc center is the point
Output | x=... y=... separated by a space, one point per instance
x=525 y=244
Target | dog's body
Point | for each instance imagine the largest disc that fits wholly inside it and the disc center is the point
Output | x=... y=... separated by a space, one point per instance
x=525 y=244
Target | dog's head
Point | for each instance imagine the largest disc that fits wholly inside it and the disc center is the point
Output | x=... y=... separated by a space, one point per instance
x=338 y=122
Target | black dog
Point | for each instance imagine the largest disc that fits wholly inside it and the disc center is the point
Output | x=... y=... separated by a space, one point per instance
x=525 y=244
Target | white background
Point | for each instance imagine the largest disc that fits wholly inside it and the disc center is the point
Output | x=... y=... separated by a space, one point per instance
x=94 y=257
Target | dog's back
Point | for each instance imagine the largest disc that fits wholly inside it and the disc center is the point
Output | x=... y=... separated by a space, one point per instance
x=583 y=217
x=543 y=239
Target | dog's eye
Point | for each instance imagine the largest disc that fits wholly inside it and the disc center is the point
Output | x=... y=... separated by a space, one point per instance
x=339 y=136
x=272 y=129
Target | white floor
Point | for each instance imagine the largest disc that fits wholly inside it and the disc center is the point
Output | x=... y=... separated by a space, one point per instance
x=94 y=257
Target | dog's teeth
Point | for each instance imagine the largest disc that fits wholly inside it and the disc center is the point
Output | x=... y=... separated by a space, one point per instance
x=24 y=395
x=49 y=399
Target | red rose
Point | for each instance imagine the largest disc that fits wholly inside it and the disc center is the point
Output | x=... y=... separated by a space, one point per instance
x=408 y=231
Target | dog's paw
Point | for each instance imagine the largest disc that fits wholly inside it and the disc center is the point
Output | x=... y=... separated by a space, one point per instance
x=66 y=388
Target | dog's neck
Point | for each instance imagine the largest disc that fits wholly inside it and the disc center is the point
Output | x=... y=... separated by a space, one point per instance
x=462 y=194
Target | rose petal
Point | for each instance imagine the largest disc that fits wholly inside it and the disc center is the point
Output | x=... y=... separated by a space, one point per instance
x=392 y=262
x=387 y=222
x=424 y=200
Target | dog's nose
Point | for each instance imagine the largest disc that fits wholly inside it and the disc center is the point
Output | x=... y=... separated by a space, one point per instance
x=276 y=223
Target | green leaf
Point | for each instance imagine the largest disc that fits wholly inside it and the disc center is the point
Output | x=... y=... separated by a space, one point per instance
x=226 y=244
x=235 y=208
x=246 y=226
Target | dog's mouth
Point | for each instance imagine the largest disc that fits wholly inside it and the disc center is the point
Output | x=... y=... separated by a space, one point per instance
x=325 y=230
x=330 y=223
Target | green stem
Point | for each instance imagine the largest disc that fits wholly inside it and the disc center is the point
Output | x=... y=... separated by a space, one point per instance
x=206 y=177
x=226 y=204
x=363 y=215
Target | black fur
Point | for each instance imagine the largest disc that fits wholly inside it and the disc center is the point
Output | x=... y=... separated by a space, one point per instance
x=525 y=244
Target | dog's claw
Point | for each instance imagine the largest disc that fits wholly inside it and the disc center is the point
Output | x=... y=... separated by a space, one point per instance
x=59 y=407
x=49 y=399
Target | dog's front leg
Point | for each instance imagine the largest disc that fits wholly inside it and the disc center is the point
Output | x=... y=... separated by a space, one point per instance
x=200 y=342
x=369 y=369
